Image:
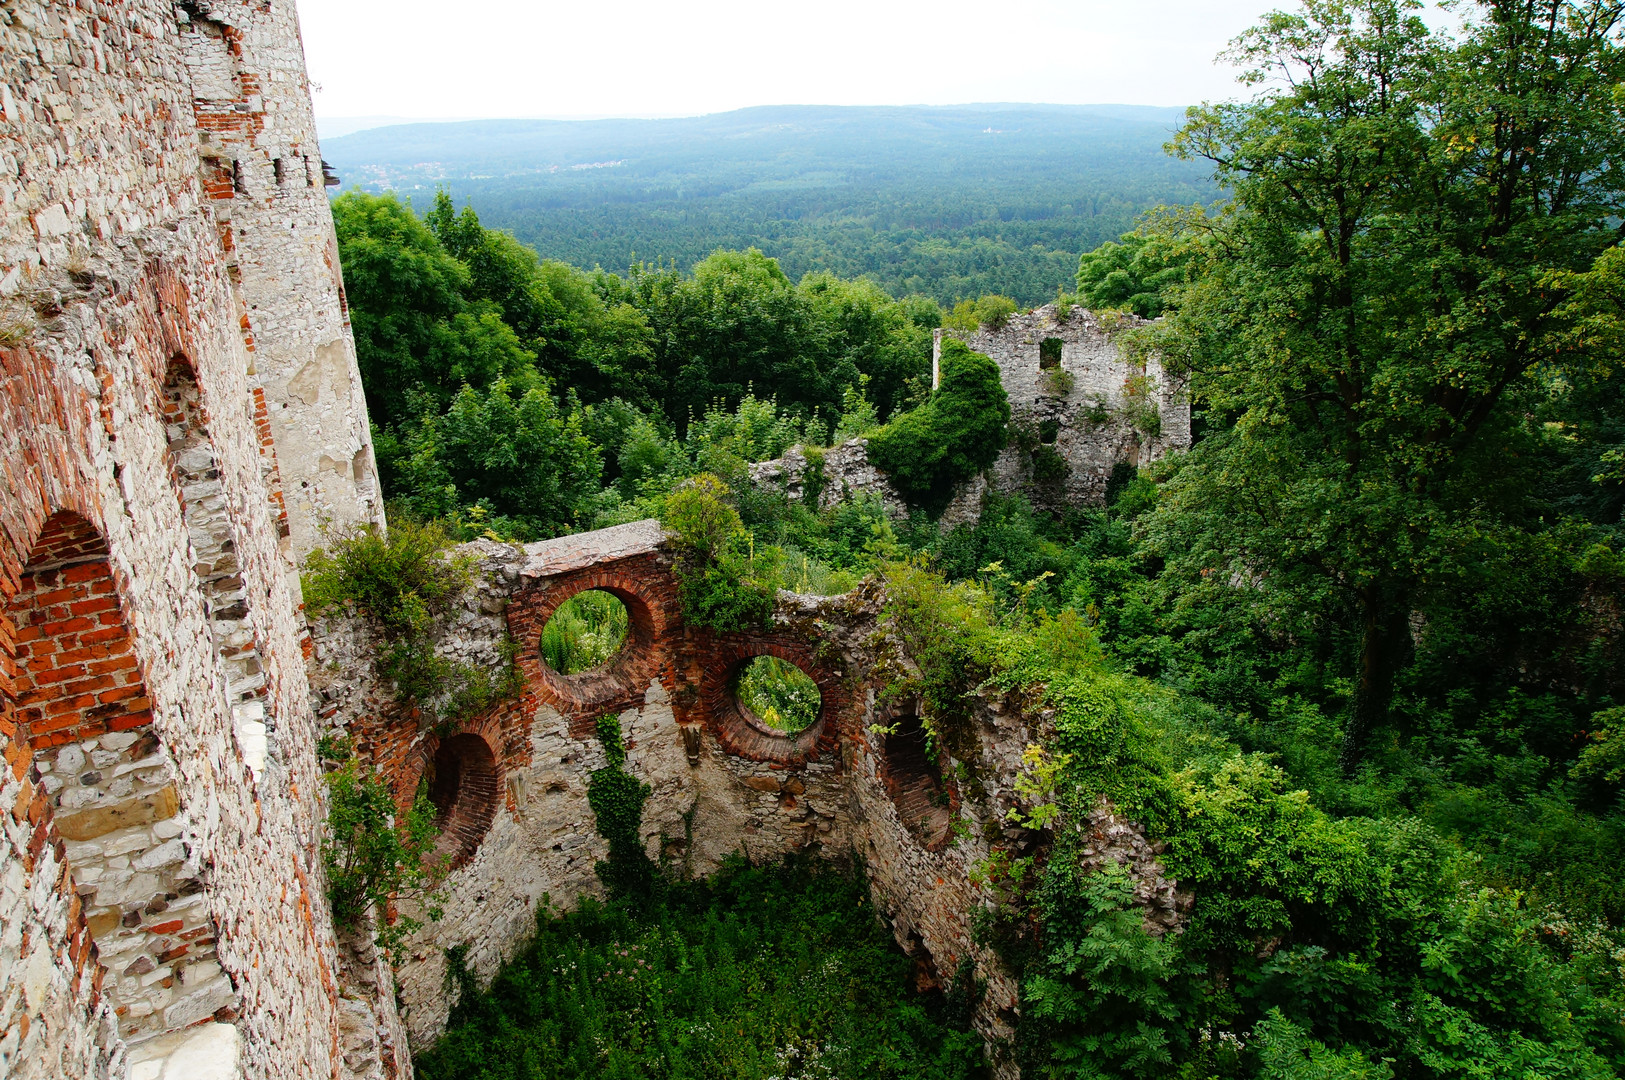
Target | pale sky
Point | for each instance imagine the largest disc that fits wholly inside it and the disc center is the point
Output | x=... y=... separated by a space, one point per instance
x=512 y=58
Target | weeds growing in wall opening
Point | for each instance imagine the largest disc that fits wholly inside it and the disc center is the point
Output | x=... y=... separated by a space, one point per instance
x=585 y=631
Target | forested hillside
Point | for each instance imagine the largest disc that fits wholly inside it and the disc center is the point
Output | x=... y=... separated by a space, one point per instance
x=1357 y=658
x=945 y=202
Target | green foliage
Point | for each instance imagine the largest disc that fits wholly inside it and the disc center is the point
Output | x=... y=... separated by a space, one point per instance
x=403 y=581
x=1133 y=273
x=419 y=327
x=1370 y=316
x=523 y=462
x=372 y=859
x=725 y=583
x=778 y=693
x=584 y=632
x=987 y=313
x=617 y=798
x=956 y=434
x=757 y=973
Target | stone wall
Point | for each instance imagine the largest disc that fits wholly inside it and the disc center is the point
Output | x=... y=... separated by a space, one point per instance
x=857 y=783
x=161 y=896
x=1075 y=394
x=1078 y=409
x=264 y=177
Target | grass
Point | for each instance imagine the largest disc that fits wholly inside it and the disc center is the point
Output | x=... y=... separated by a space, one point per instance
x=780 y=694
x=586 y=631
x=759 y=973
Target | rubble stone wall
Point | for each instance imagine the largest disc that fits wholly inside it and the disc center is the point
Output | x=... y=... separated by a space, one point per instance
x=1074 y=391
x=857 y=784
x=161 y=898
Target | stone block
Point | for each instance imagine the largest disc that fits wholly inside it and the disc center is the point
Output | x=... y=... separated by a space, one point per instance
x=87 y=824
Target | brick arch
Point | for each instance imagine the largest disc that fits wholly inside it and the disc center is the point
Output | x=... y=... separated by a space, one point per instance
x=76 y=697
x=466 y=776
x=740 y=734
x=622 y=681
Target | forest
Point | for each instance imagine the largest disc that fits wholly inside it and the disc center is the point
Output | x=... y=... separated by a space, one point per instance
x=1357 y=658
x=949 y=202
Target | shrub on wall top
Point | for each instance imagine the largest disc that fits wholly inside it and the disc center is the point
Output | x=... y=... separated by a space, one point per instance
x=956 y=434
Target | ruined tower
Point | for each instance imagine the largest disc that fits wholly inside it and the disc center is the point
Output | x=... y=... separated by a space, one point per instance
x=179 y=409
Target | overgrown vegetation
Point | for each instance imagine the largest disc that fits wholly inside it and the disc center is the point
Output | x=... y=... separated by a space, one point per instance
x=617 y=798
x=402 y=581
x=726 y=585
x=585 y=631
x=954 y=435
x=373 y=855
x=759 y=973
x=1354 y=659
x=778 y=693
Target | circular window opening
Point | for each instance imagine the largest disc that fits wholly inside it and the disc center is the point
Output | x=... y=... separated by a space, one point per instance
x=777 y=694
x=464 y=791
x=585 y=633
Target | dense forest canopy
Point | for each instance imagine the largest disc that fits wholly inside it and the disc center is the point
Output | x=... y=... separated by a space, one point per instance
x=946 y=202
x=1355 y=658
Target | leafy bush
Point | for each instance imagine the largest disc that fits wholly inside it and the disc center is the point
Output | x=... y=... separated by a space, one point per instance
x=371 y=858
x=519 y=457
x=725 y=584
x=758 y=973
x=1057 y=382
x=956 y=434
x=585 y=631
x=989 y=312
x=403 y=581
x=780 y=694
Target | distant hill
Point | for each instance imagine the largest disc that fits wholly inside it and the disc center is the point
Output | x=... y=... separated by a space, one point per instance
x=947 y=201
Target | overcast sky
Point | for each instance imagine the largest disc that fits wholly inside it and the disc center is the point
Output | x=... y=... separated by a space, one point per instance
x=514 y=58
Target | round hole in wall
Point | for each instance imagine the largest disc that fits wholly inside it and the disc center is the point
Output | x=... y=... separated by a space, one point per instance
x=464 y=789
x=777 y=694
x=585 y=632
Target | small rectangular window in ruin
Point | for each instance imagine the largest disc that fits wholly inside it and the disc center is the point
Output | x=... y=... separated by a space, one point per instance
x=1049 y=353
x=276 y=167
x=239 y=182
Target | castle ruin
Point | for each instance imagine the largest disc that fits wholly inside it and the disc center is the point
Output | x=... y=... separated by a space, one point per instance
x=180 y=416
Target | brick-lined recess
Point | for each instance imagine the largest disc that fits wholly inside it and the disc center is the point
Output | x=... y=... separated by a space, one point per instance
x=465 y=788
x=214 y=549
x=913 y=780
x=695 y=666
x=76 y=672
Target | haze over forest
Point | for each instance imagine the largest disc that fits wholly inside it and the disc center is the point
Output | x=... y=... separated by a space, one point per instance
x=950 y=202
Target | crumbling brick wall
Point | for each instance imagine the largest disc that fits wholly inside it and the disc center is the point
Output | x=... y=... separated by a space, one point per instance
x=859 y=781
x=137 y=830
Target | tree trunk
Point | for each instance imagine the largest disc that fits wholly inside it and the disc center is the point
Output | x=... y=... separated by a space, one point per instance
x=1384 y=638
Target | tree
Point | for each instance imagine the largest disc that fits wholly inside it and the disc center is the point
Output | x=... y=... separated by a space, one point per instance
x=1131 y=273
x=956 y=434
x=518 y=456
x=597 y=347
x=417 y=330
x=1370 y=304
